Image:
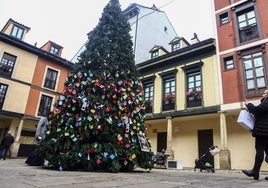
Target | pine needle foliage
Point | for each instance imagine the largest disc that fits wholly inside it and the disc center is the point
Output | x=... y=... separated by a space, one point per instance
x=99 y=118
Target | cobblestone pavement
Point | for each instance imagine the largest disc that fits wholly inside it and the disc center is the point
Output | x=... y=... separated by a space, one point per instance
x=16 y=174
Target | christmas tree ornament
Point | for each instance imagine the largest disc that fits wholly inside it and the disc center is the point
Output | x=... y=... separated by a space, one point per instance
x=60 y=168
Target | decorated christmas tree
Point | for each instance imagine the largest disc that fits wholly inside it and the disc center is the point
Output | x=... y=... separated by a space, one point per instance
x=99 y=118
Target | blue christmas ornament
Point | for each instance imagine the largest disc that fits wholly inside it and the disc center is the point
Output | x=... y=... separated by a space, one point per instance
x=60 y=168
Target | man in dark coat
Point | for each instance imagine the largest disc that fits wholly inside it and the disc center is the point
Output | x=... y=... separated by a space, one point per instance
x=6 y=142
x=42 y=127
x=260 y=132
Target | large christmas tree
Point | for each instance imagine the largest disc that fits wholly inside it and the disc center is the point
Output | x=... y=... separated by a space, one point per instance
x=99 y=121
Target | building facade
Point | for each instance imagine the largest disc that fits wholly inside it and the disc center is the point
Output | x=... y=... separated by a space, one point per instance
x=31 y=78
x=242 y=36
x=140 y=18
x=182 y=99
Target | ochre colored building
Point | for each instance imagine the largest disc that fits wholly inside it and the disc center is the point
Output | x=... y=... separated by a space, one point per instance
x=183 y=103
x=31 y=79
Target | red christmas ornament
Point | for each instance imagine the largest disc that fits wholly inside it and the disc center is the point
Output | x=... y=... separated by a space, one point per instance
x=54 y=127
x=81 y=138
x=64 y=150
x=119 y=142
x=91 y=150
x=100 y=128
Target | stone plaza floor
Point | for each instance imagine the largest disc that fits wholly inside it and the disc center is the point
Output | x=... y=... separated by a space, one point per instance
x=16 y=174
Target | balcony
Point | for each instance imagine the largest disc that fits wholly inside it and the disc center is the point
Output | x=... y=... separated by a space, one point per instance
x=193 y=102
x=5 y=70
x=248 y=33
x=148 y=106
x=194 y=98
x=169 y=101
x=168 y=105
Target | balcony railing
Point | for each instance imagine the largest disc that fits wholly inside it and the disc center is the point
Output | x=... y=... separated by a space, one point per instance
x=148 y=106
x=194 y=101
x=5 y=70
x=149 y=109
x=248 y=33
x=168 y=105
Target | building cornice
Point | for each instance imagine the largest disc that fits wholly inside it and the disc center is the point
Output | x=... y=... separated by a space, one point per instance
x=183 y=113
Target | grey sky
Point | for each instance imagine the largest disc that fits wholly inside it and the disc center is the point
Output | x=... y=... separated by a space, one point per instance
x=67 y=22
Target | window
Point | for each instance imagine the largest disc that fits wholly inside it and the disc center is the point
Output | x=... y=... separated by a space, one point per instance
x=169 y=86
x=54 y=50
x=7 y=64
x=247 y=25
x=254 y=72
x=194 y=89
x=149 y=97
x=175 y=46
x=169 y=95
x=3 y=91
x=193 y=86
x=246 y=18
x=155 y=54
x=169 y=89
x=51 y=79
x=45 y=105
x=228 y=63
x=224 y=19
x=17 y=32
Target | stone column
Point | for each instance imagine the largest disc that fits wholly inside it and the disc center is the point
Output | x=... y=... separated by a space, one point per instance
x=225 y=158
x=16 y=145
x=169 y=150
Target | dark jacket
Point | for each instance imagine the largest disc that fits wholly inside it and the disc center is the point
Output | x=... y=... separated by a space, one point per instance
x=261 y=118
x=7 y=140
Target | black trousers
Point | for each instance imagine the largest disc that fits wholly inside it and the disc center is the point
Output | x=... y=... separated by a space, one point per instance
x=34 y=159
x=261 y=146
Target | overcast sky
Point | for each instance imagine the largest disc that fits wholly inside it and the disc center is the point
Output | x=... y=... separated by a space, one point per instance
x=67 y=22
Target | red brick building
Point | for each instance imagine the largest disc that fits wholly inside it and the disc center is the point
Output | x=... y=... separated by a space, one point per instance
x=242 y=37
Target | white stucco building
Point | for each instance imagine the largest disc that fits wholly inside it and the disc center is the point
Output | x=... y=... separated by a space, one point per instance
x=149 y=27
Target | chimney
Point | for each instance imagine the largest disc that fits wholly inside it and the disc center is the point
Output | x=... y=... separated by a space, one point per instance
x=195 y=39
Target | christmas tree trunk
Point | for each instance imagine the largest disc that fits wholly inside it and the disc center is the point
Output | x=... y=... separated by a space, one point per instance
x=99 y=118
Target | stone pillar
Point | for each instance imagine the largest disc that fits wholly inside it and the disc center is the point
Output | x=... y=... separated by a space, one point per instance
x=169 y=150
x=16 y=145
x=224 y=155
x=223 y=131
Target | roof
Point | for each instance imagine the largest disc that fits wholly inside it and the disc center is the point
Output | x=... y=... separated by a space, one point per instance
x=35 y=50
x=156 y=47
x=179 y=39
x=135 y=6
x=52 y=43
x=16 y=23
x=202 y=48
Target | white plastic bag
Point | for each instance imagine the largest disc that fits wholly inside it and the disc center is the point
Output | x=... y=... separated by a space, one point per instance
x=246 y=119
